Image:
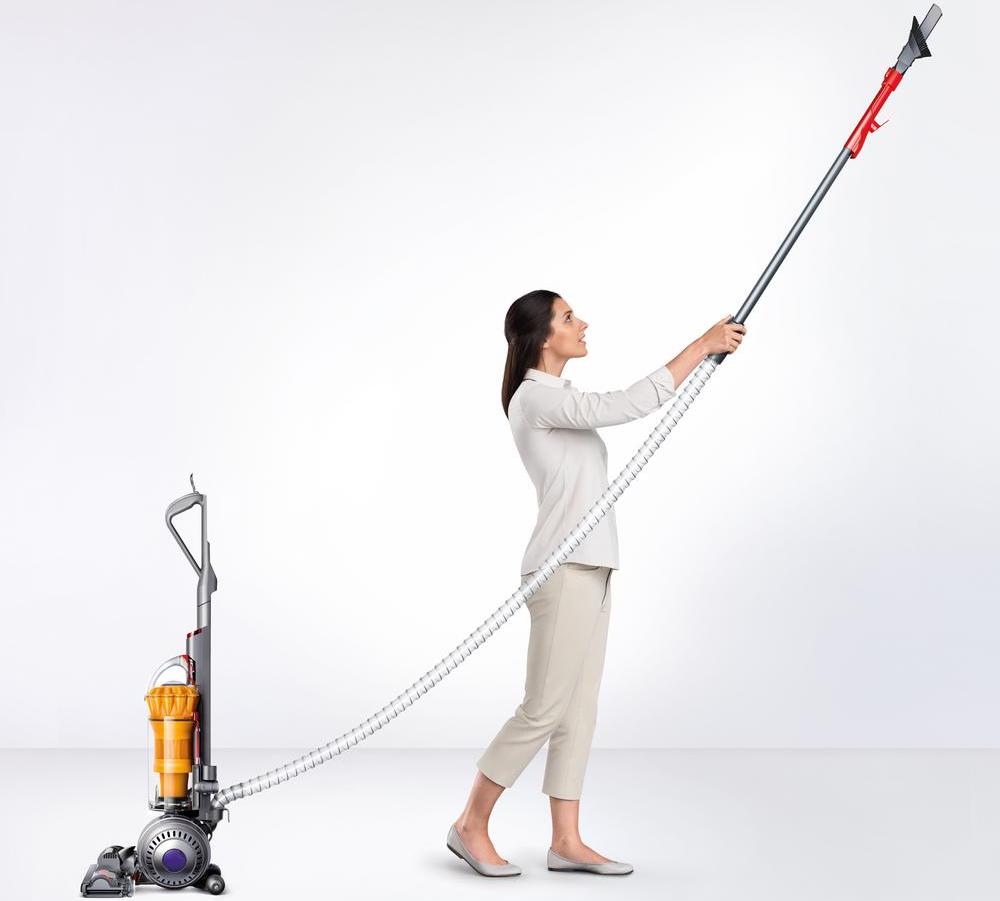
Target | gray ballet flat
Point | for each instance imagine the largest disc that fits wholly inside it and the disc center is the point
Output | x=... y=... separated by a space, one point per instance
x=611 y=868
x=457 y=847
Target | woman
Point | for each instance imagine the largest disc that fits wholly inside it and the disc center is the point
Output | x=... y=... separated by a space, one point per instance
x=553 y=425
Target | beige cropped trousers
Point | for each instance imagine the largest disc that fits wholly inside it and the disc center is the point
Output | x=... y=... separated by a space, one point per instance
x=569 y=633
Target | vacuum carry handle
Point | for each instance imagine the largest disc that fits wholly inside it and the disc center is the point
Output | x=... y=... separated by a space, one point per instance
x=196 y=498
x=181 y=660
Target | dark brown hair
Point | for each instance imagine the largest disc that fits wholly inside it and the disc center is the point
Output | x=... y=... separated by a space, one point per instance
x=526 y=326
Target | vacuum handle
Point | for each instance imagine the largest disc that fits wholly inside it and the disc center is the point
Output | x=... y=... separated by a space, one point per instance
x=196 y=498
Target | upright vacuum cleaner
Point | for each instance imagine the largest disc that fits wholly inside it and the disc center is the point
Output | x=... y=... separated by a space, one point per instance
x=173 y=851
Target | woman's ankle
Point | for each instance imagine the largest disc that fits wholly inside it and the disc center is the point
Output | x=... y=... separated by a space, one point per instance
x=472 y=825
x=566 y=841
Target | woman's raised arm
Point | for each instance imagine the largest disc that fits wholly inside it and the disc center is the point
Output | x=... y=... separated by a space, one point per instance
x=547 y=406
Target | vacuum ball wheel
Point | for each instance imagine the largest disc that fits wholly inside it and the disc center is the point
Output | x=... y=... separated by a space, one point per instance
x=212 y=882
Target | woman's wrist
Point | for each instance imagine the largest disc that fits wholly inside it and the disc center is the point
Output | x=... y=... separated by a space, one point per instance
x=700 y=347
x=683 y=364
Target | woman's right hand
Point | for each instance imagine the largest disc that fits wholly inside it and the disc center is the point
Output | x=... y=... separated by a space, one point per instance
x=723 y=337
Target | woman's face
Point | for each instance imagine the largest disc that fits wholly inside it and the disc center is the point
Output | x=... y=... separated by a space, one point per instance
x=565 y=332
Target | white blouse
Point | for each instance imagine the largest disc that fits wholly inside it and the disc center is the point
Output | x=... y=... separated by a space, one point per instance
x=553 y=425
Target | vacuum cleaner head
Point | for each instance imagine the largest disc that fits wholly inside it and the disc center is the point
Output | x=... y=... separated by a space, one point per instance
x=112 y=875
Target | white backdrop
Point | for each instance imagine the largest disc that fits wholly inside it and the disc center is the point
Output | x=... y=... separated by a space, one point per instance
x=274 y=244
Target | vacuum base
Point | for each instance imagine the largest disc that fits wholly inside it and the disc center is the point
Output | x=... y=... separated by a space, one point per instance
x=172 y=852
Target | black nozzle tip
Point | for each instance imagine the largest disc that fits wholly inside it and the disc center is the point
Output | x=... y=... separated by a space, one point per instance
x=916 y=43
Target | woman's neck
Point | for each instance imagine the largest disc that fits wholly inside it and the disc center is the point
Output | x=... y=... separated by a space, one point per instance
x=552 y=365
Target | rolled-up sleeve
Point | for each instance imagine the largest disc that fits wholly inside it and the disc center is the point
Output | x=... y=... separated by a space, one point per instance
x=549 y=406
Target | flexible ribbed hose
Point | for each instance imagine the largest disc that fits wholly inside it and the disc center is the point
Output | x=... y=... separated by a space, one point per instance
x=425 y=683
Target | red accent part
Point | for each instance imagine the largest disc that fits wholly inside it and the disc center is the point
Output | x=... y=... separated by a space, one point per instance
x=195 y=632
x=868 y=124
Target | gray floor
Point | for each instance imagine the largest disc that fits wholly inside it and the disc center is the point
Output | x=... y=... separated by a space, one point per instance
x=802 y=825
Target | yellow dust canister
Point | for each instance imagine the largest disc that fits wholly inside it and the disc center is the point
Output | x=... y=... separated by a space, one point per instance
x=172 y=710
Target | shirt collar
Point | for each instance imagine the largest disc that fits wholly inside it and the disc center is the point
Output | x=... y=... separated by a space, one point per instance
x=547 y=378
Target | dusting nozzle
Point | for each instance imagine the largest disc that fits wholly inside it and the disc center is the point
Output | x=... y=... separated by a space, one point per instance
x=916 y=44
